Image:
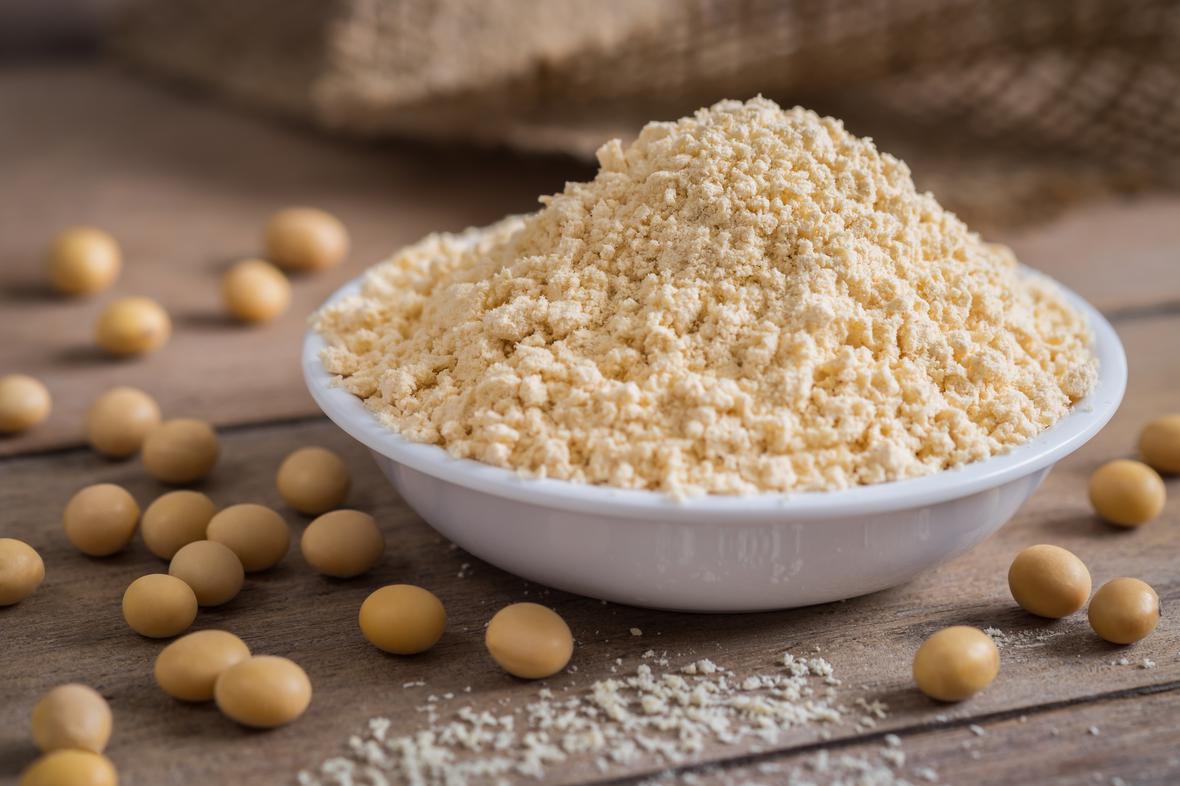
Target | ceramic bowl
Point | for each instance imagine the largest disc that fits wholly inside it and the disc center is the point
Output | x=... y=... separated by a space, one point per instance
x=718 y=553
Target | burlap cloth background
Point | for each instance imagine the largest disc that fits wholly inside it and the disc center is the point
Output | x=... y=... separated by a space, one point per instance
x=1007 y=109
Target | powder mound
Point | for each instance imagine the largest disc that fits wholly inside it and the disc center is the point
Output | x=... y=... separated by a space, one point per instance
x=745 y=300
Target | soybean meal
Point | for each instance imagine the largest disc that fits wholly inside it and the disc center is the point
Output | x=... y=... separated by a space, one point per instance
x=749 y=299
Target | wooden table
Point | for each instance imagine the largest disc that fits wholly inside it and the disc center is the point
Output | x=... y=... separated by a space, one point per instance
x=186 y=187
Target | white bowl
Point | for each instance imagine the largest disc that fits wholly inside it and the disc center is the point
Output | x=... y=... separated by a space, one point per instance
x=718 y=553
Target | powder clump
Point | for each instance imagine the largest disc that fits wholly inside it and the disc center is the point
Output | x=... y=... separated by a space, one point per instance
x=745 y=300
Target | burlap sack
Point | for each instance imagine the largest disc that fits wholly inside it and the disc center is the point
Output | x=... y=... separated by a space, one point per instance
x=1075 y=95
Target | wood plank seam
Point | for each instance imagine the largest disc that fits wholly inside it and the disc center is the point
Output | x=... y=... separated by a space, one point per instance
x=233 y=428
x=917 y=729
x=1143 y=311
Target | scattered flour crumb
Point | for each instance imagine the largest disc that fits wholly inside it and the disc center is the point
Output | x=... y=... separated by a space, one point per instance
x=706 y=666
x=894 y=756
x=830 y=769
x=674 y=717
x=997 y=635
x=1024 y=638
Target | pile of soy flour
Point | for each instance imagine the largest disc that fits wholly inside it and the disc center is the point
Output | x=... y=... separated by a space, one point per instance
x=749 y=299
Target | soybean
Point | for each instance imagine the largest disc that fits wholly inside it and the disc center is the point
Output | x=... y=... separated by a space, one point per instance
x=1159 y=444
x=24 y=402
x=176 y=519
x=263 y=691
x=212 y=570
x=100 y=519
x=119 y=420
x=72 y=716
x=1127 y=493
x=343 y=543
x=255 y=291
x=180 y=451
x=70 y=768
x=402 y=619
x=257 y=534
x=313 y=480
x=133 y=326
x=1124 y=610
x=159 y=606
x=83 y=260
x=188 y=668
x=956 y=663
x=305 y=238
x=529 y=640
x=21 y=571
x=1049 y=581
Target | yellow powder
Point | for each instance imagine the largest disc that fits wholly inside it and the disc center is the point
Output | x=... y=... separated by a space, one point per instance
x=748 y=299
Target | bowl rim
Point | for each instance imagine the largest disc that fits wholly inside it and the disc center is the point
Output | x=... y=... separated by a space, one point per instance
x=1083 y=421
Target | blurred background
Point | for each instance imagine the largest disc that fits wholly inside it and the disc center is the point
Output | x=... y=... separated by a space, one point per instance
x=1008 y=110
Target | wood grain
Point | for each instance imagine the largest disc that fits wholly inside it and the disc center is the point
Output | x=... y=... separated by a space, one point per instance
x=71 y=628
x=1122 y=739
x=1122 y=255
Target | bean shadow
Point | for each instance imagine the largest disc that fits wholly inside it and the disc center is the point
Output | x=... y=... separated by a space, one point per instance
x=89 y=355
x=1083 y=524
x=32 y=292
x=16 y=754
x=206 y=320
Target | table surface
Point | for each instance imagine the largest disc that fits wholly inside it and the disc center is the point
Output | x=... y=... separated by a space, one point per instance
x=186 y=186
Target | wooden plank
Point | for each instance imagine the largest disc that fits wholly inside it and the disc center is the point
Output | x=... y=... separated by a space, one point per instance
x=1126 y=739
x=186 y=187
x=71 y=629
x=1133 y=738
x=1120 y=255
